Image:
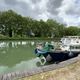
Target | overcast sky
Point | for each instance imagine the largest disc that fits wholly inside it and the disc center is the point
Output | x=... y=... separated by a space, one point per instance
x=64 y=11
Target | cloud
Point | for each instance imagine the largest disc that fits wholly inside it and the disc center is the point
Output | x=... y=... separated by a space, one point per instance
x=53 y=5
x=64 y=11
x=34 y=8
x=69 y=12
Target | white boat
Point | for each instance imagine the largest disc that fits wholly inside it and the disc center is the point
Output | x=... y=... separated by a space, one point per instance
x=69 y=48
x=70 y=43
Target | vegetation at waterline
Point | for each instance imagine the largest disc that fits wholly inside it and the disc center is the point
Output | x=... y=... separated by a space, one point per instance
x=13 y=25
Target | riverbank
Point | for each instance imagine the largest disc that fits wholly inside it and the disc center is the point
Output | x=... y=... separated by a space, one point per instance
x=27 y=38
x=71 y=72
x=19 y=39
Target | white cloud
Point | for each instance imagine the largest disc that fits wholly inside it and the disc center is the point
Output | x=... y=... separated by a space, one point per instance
x=43 y=8
x=26 y=1
x=43 y=16
x=69 y=12
x=37 y=10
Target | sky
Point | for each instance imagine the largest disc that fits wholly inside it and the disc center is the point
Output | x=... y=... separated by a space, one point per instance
x=64 y=11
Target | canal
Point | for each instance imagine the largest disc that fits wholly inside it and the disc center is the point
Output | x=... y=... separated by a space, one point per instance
x=17 y=55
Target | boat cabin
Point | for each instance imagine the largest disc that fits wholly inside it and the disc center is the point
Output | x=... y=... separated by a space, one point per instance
x=70 y=43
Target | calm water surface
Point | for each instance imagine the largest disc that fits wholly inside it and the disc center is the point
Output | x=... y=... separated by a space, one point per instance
x=17 y=55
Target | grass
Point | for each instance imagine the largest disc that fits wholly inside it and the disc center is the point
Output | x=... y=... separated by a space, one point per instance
x=71 y=72
x=2 y=37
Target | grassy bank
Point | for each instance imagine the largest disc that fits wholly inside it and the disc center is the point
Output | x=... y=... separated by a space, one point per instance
x=2 y=37
x=71 y=72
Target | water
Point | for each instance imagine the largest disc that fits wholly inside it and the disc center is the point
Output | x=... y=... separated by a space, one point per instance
x=17 y=56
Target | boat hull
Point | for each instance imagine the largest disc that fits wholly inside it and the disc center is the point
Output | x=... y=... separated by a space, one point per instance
x=58 y=56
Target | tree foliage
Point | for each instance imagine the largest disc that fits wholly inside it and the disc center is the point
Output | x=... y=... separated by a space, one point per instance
x=13 y=24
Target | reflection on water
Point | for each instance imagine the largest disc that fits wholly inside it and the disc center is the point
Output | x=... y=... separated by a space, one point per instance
x=24 y=65
x=17 y=55
x=14 y=43
x=13 y=52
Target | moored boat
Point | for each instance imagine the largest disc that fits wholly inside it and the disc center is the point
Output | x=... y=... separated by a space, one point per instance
x=70 y=48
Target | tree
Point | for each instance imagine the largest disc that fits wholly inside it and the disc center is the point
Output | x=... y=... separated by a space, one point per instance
x=72 y=31
x=13 y=24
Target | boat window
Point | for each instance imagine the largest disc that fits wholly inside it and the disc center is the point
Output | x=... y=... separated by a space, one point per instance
x=74 y=47
x=64 y=45
x=71 y=47
x=68 y=40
